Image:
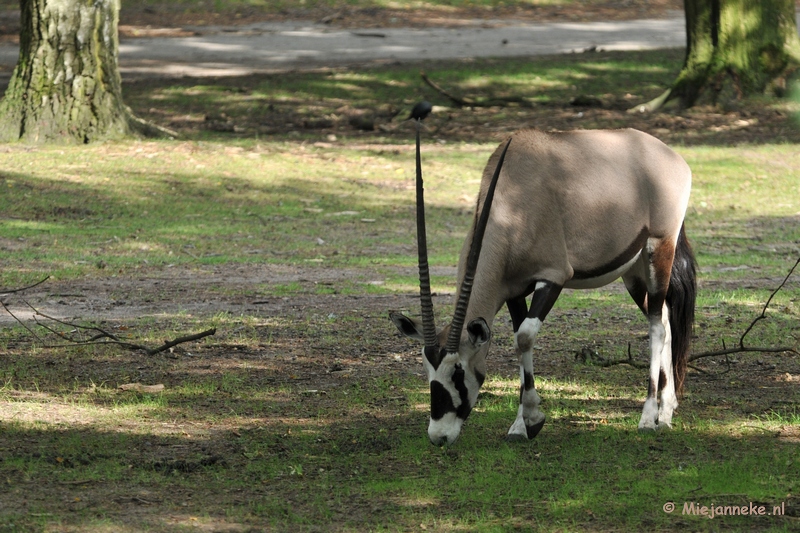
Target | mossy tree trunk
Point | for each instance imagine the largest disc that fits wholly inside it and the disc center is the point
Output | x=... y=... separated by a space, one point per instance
x=66 y=86
x=735 y=48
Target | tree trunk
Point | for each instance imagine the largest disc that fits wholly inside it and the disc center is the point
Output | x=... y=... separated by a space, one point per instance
x=66 y=85
x=735 y=48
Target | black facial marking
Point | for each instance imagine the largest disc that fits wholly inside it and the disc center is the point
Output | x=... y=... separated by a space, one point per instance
x=441 y=402
x=480 y=377
x=528 y=381
x=463 y=393
x=434 y=355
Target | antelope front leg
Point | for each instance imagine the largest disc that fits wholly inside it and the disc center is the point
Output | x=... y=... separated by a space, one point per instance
x=527 y=324
x=530 y=419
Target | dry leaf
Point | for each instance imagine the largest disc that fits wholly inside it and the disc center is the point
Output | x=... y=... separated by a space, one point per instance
x=138 y=387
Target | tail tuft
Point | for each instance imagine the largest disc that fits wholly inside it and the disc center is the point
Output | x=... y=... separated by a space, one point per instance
x=681 y=297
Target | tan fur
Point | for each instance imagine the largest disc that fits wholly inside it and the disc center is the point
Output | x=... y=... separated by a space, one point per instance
x=553 y=188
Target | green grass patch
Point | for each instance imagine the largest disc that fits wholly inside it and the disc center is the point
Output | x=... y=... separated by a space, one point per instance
x=135 y=205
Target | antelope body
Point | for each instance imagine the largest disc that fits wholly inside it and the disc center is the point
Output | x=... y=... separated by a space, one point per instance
x=566 y=209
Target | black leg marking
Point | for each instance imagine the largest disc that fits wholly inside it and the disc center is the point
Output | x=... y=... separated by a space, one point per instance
x=637 y=288
x=535 y=429
x=651 y=388
x=544 y=298
x=528 y=381
x=518 y=309
x=662 y=380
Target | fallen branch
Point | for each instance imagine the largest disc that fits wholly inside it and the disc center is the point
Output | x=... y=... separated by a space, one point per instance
x=12 y=291
x=180 y=340
x=741 y=348
x=74 y=338
x=464 y=101
x=587 y=354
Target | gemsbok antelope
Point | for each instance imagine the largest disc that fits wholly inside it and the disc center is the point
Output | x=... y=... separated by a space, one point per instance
x=572 y=209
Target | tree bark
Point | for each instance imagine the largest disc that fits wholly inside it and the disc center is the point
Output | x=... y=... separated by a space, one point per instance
x=735 y=48
x=66 y=86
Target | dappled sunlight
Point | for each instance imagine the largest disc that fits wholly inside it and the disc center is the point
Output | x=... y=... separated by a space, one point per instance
x=43 y=411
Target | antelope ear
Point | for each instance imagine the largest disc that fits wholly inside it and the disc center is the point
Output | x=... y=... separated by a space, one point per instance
x=479 y=332
x=407 y=326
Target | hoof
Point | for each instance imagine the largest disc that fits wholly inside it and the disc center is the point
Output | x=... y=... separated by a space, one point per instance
x=535 y=429
x=530 y=433
x=516 y=437
x=646 y=429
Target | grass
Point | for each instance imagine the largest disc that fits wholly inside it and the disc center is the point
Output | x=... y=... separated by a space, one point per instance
x=133 y=205
x=313 y=416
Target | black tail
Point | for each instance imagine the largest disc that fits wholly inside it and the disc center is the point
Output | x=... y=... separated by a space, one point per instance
x=680 y=299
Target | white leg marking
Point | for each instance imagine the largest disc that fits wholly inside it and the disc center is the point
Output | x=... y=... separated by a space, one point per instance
x=528 y=413
x=669 y=400
x=660 y=361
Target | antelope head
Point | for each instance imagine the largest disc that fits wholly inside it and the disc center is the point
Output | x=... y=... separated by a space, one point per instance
x=448 y=354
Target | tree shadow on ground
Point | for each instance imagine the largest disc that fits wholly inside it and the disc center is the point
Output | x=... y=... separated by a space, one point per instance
x=369 y=104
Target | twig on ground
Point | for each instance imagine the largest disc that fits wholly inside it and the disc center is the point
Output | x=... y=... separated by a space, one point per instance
x=20 y=322
x=587 y=354
x=12 y=291
x=180 y=340
x=741 y=347
x=72 y=339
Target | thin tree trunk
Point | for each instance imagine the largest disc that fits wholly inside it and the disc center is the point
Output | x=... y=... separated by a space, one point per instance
x=66 y=86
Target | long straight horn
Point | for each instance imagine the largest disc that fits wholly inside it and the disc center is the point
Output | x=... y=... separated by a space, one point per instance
x=426 y=302
x=460 y=314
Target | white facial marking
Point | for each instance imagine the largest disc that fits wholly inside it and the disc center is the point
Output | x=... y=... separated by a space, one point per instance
x=445 y=430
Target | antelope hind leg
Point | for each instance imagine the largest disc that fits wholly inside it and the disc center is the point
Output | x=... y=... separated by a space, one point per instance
x=654 y=269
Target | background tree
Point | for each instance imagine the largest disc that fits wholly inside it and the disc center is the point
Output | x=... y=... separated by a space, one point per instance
x=66 y=85
x=735 y=48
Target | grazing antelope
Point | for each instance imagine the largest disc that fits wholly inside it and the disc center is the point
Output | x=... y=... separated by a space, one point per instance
x=564 y=209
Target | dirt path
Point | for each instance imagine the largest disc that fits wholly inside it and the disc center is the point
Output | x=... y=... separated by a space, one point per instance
x=280 y=45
